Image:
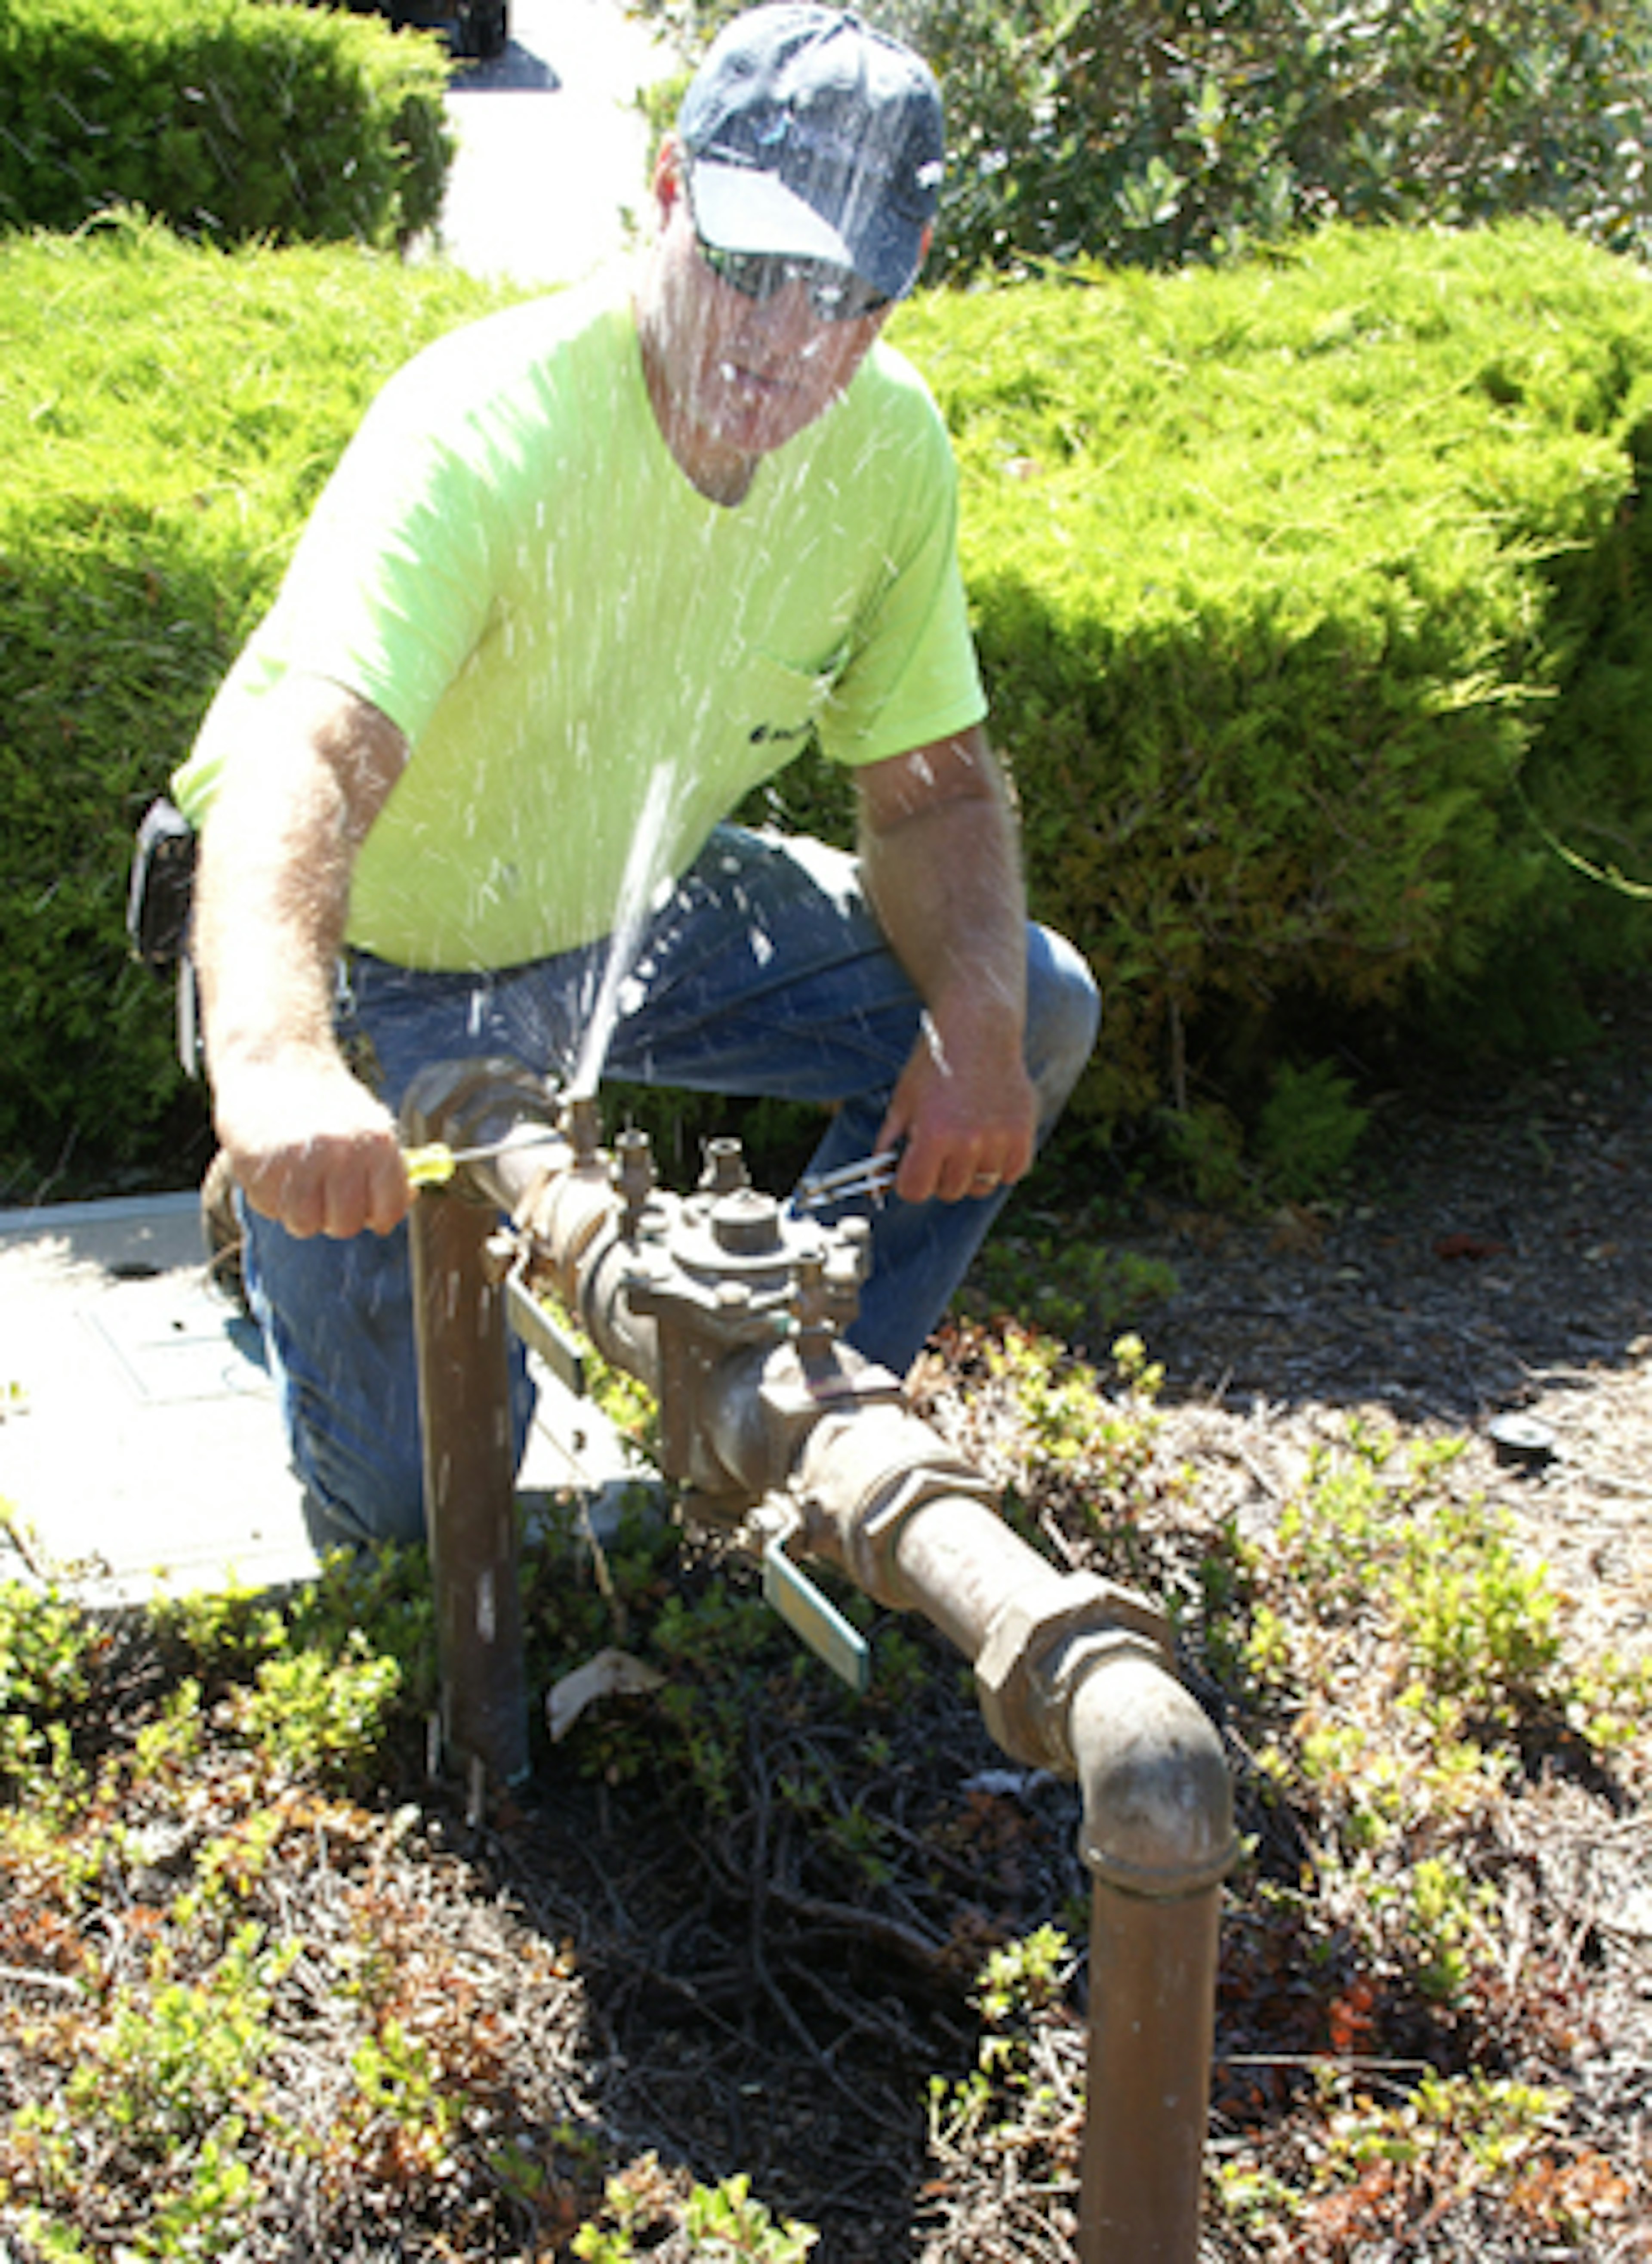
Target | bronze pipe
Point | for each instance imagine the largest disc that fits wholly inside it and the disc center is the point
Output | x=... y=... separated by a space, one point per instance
x=1152 y=2010
x=1074 y=1674
x=469 y=1486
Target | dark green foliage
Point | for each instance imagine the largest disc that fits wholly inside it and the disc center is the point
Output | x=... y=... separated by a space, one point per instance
x=167 y=416
x=228 y=119
x=1308 y=1129
x=1151 y=132
x=1286 y=579
x=1155 y=131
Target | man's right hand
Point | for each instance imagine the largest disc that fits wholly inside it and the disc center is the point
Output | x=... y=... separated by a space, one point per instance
x=308 y=1142
x=310 y=1147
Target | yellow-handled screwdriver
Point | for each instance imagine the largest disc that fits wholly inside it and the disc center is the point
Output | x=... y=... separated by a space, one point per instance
x=433 y=1167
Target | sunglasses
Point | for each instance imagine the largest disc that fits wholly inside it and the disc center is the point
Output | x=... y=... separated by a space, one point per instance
x=837 y=294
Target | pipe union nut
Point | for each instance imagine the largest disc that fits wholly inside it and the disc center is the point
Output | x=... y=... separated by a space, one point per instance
x=1040 y=1648
x=874 y=1533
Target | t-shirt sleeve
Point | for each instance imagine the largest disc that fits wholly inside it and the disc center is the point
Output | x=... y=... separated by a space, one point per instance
x=912 y=675
x=388 y=588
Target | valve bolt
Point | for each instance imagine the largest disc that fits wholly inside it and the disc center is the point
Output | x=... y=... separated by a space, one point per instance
x=725 y=1172
x=584 y=1126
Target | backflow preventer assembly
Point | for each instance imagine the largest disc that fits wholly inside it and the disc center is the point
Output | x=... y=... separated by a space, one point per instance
x=732 y=1312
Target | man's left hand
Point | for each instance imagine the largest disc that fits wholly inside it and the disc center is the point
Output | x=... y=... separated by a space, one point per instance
x=964 y=1113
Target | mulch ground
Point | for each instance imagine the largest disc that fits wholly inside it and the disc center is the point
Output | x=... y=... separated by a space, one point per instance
x=775 y=1977
x=1494 y=1261
x=1491 y=1259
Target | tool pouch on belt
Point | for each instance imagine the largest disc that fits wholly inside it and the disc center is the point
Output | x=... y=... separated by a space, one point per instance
x=162 y=885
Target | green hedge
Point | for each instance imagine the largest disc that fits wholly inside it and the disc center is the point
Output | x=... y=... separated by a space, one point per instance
x=167 y=415
x=228 y=119
x=1301 y=587
x=1311 y=597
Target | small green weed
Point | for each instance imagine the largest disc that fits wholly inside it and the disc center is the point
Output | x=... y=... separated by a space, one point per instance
x=1369 y=1540
x=170 y=2061
x=315 y=1684
x=630 y=1406
x=1068 y=1282
x=1494 y=2121
x=1005 y=2101
x=1308 y=1129
x=724 y=2224
x=49 y=1653
x=311 y=1717
x=1205 y=1148
x=1065 y=1415
x=387 y=1595
x=399 y=2078
x=46 y=1650
x=222 y=1632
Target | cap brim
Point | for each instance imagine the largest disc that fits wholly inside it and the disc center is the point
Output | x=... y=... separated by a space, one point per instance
x=744 y=208
x=740 y=209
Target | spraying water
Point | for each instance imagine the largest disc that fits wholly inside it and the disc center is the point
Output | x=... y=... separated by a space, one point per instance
x=643 y=872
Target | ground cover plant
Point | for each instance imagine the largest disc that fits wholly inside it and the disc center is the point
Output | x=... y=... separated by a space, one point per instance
x=751 y=1968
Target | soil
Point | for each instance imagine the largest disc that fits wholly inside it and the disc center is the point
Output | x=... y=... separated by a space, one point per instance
x=1489 y=1279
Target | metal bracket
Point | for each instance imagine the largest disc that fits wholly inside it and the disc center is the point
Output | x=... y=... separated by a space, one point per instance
x=542 y=1333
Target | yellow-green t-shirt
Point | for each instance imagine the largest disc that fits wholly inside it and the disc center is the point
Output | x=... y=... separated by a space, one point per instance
x=510 y=563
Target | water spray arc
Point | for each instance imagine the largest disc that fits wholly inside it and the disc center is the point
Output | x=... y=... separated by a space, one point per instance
x=732 y=1312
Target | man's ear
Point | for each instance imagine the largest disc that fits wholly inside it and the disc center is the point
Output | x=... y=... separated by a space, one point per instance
x=669 y=174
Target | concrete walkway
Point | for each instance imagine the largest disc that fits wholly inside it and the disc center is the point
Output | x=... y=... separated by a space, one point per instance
x=551 y=177
x=141 y=1448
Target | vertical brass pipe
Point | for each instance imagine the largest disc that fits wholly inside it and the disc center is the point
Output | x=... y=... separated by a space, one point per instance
x=470 y=1487
x=1152 y=2017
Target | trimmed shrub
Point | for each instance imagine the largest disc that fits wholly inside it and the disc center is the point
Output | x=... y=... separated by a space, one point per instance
x=228 y=119
x=167 y=415
x=1310 y=595
x=1300 y=587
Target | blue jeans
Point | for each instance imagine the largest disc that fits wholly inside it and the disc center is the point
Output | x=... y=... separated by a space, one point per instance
x=763 y=974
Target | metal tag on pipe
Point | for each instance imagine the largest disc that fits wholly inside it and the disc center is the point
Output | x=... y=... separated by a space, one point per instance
x=814 y=1616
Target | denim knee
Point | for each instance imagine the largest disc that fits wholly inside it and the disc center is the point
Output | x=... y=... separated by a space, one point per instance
x=338 y=1332
x=1063 y=1014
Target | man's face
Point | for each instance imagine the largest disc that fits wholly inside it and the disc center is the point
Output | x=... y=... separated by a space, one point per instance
x=735 y=376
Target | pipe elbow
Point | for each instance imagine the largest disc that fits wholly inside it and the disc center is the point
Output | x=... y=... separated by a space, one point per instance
x=1158 y=1798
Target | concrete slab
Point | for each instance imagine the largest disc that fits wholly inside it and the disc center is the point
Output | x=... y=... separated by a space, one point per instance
x=141 y=1448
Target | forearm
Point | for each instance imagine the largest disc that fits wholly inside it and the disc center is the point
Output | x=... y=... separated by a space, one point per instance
x=946 y=886
x=272 y=895
x=308 y=1144
x=943 y=875
x=941 y=858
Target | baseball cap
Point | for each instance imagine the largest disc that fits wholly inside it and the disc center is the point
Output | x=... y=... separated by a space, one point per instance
x=813 y=136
